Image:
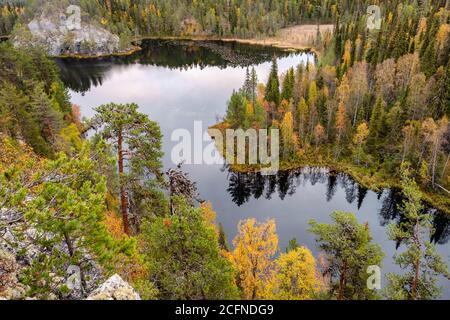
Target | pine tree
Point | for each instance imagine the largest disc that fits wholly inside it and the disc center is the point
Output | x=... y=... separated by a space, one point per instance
x=420 y=262
x=137 y=140
x=349 y=251
x=67 y=219
x=184 y=256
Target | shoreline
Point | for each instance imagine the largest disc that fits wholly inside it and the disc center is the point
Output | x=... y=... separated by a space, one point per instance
x=129 y=52
x=369 y=178
x=293 y=38
x=251 y=41
x=373 y=183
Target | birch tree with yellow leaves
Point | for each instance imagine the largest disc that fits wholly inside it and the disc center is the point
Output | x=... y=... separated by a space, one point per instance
x=255 y=246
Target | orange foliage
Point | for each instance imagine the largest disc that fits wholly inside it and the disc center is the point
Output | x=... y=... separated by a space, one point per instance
x=76 y=117
x=130 y=268
x=114 y=225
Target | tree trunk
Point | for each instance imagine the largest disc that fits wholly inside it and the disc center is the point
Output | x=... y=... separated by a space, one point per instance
x=123 y=196
x=417 y=262
x=71 y=250
x=435 y=151
x=342 y=281
x=445 y=166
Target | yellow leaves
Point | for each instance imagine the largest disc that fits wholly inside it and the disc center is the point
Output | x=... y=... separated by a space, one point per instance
x=442 y=37
x=346 y=58
x=132 y=268
x=343 y=91
x=69 y=138
x=390 y=17
x=312 y=95
x=104 y=21
x=152 y=8
x=255 y=245
x=260 y=93
x=209 y=215
x=341 y=121
x=249 y=110
x=362 y=132
x=18 y=155
x=287 y=133
x=294 y=276
x=287 y=127
x=421 y=29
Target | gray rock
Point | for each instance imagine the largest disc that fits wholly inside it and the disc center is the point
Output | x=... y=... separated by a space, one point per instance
x=53 y=33
x=10 y=288
x=19 y=243
x=115 y=288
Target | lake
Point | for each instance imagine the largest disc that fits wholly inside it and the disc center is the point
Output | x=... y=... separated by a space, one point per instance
x=179 y=82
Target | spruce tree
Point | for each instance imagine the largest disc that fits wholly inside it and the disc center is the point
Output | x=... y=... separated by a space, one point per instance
x=273 y=85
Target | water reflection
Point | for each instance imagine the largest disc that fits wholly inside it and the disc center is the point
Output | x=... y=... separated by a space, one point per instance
x=81 y=75
x=244 y=186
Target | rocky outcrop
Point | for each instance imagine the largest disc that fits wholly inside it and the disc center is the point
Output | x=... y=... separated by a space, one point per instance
x=59 y=35
x=10 y=288
x=19 y=249
x=115 y=288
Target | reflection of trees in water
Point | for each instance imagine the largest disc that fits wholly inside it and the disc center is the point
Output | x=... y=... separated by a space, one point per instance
x=362 y=192
x=390 y=213
x=81 y=75
x=441 y=226
x=244 y=186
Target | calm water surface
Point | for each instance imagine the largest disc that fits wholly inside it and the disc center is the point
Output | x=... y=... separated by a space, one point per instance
x=177 y=83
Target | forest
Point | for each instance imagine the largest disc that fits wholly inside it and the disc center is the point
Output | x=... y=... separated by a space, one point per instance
x=93 y=193
x=186 y=18
x=373 y=102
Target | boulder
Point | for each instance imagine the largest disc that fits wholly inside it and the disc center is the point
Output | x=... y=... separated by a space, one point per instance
x=115 y=288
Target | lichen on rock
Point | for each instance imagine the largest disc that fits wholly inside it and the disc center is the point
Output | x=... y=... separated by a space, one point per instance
x=115 y=288
x=55 y=31
x=10 y=288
